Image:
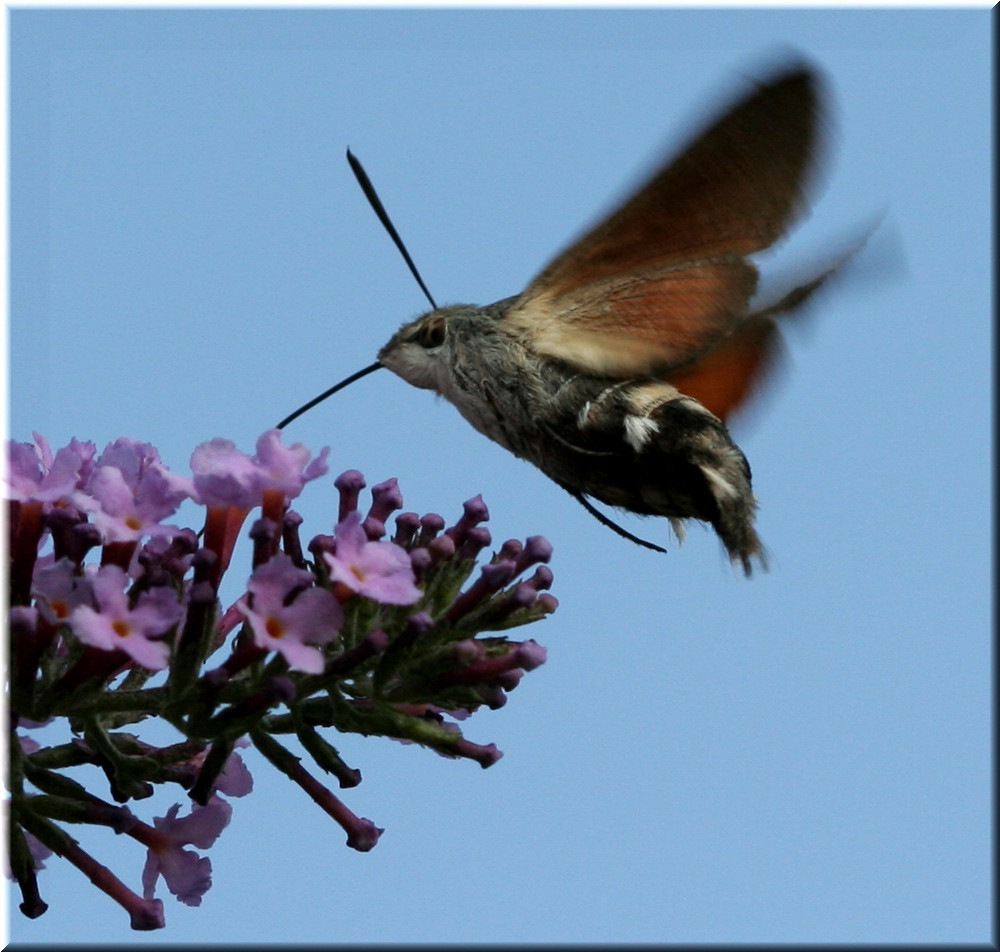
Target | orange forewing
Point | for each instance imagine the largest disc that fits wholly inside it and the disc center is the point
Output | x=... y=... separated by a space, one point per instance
x=642 y=323
x=733 y=190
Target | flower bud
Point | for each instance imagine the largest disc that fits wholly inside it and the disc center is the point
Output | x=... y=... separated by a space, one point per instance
x=349 y=484
x=386 y=499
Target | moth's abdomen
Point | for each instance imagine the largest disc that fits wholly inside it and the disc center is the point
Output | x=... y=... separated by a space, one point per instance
x=647 y=448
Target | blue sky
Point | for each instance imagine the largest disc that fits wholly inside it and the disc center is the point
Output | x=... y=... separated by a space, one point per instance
x=801 y=757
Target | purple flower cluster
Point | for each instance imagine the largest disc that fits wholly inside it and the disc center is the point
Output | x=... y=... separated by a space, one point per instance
x=115 y=619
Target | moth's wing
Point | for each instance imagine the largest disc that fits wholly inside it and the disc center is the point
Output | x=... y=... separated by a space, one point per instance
x=638 y=323
x=729 y=371
x=727 y=375
x=665 y=273
x=732 y=191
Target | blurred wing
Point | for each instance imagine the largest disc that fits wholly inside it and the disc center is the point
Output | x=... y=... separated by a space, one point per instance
x=728 y=371
x=728 y=374
x=664 y=274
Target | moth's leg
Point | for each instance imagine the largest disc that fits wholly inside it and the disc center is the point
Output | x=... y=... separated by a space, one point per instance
x=604 y=520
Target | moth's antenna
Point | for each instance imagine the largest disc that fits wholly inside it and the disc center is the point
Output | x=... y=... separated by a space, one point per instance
x=377 y=207
x=366 y=186
x=329 y=393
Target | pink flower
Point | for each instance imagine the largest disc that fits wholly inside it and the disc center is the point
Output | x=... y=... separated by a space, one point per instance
x=285 y=610
x=33 y=472
x=287 y=467
x=131 y=490
x=187 y=875
x=235 y=779
x=114 y=625
x=378 y=570
x=60 y=590
x=225 y=476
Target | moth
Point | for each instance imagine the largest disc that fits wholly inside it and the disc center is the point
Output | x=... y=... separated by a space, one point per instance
x=615 y=370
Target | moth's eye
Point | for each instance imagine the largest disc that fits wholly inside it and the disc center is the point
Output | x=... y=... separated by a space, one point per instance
x=431 y=332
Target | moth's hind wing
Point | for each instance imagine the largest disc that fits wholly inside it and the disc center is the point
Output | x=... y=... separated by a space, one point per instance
x=730 y=371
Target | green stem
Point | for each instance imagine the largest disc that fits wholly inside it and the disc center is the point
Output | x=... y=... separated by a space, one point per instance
x=123 y=772
x=147 y=701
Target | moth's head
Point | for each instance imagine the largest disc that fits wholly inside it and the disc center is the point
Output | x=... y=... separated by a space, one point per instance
x=419 y=352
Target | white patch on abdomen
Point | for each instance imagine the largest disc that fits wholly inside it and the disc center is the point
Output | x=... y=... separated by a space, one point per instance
x=639 y=430
x=644 y=399
x=721 y=487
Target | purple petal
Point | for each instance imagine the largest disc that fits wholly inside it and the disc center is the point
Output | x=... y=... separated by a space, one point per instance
x=187 y=875
x=223 y=476
x=315 y=615
x=350 y=537
x=235 y=779
x=202 y=826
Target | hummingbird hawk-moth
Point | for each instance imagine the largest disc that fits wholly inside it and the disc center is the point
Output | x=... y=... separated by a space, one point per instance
x=614 y=371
